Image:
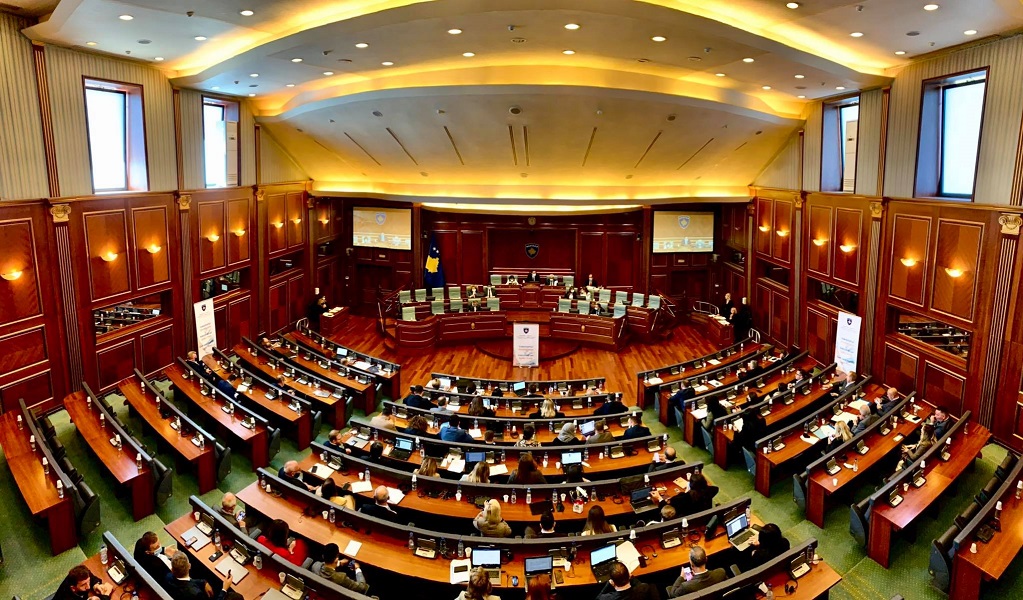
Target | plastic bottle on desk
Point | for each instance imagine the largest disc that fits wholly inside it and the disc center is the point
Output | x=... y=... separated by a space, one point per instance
x=475 y=423
x=216 y=539
x=458 y=494
x=367 y=475
x=332 y=515
x=257 y=561
x=413 y=481
x=461 y=549
x=46 y=466
x=103 y=554
x=514 y=496
x=138 y=461
x=529 y=495
x=504 y=456
x=593 y=494
x=411 y=541
x=60 y=489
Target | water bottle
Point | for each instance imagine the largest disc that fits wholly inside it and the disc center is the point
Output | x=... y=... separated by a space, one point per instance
x=646 y=478
x=158 y=403
x=376 y=435
x=514 y=496
x=103 y=554
x=202 y=442
x=475 y=423
x=138 y=461
x=504 y=456
x=461 y=549
x=216 y=539
x=257 y=561
x=458 y=494
x=20 y=424
x=551 y=426
x=593 y=494
x=262 y=481
x=419 y=444
x=411 y=541
x=88 y=403
x=422 y=453
x=529 y=496
x=856 y=465
x=102 y=421
x=367 y=474
x=545 y=457
x=413 y=481
x=60 y=489
x=32 y=442
x=331 y=515
x=586 y=454
x=46 y=466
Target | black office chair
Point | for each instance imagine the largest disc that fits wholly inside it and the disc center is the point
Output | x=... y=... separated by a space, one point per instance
x=274 y=446
x=70 y=470
x=708 y=439
x=223 y=458
x=859 y=517
x=49 y=431
x=1005 y=468
x=86 y=508
x=317 y=417
x=57 y=449
x=940 y=566
x=799 y=490
x=163 y=482
x=989 y=490
x=967 y=515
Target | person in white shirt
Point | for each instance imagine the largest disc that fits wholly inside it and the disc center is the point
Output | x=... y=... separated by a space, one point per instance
x=384 y=420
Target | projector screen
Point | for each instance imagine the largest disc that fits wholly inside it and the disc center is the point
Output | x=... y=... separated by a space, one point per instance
x=678 y=231
x=382 y=228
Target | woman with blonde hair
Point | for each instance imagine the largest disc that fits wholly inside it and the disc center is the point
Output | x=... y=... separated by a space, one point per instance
x=479 y=474
x=596 y=523
x=548 y=410
x=428 y=468
x=489 y=521
x=478 y=588
x=842 y=435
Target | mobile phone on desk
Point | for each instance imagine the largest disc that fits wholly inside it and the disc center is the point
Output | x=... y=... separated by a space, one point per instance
x=216 y=555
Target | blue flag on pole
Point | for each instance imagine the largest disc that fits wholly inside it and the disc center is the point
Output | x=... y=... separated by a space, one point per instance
x=433 y=272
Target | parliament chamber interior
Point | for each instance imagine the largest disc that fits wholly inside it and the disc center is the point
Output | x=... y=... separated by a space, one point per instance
x=575 y=299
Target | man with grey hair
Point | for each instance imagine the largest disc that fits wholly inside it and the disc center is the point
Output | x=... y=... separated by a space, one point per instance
x=292 y=473
x=379 y=508
x=867 y=419
x=180 y=586
x=230 y=510
x=701 y=578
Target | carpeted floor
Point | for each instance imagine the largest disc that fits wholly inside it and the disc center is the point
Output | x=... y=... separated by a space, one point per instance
x=32 y=573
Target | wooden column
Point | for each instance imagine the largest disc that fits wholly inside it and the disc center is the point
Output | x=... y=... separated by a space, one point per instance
x=49 y=146
x=797 y=268
x=184 y=202
x=260 y=267
x=1010 y=223
x=870 y=288
x=61 y=214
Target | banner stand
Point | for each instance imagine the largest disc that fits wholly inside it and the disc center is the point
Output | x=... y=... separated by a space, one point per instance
x=525 y=345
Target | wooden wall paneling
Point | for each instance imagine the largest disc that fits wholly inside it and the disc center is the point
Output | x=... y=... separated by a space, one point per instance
x=296 y=219
x=114 y=362
x=472 y=263
x=846 y=248
x=297 y=299
x=323 y=221
x=152 y=259
x=820 y=239
x=621 y=260
x=23 y=349
x=592 y=254
x=783 y=234
x=239 y=231
x=106 y=241
x=277 y=304
x=900 y=369
x=240 y=317
x=821 y=329
x=762 y=308
x=223 y=327
x=764 y=234
x=507 y=248
x=910 y=240
x=942 y=387
x=36 y=389
x=277 y=223
x=781 y=318
x=22 y=298
x=957 y=251
x=157 y=348
x=451 y=258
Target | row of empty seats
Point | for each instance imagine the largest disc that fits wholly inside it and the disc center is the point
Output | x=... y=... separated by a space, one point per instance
x=437 y=307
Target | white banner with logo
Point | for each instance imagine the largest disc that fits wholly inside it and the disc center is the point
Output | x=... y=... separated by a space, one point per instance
x=526 y=345
x=205 y=327
x=847 y=342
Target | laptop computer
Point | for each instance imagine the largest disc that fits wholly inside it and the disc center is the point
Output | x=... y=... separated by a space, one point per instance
x=519 y=389
x=402 y=448
x=475 y=457
x=294 y=587
x=571 y=458
x=539 y=565
x=740 y=534
x=587 y=428
x=601 y=561
x=488 y=559
x=640 y=500
x=670 y=539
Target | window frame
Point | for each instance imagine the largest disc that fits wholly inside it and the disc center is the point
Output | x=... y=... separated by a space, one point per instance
x=929 y=171
x=232 y=112
x=832 y=162
x=136 y=155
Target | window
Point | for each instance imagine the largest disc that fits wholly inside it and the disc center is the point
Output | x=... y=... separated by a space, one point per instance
x=950 y=119
x=930 y=331
x=220 y=142
x=117 y=147
x=838 y=152
x=830 y=294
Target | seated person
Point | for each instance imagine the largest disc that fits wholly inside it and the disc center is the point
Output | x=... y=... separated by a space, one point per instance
x=841 y=435
x=225 y=387
x=574 y=474
x=534 y=391
x=230 y=510
x=442 y=406
x=341 y=496
x=488 y=437
x=699 y=497
x=419 y=427
x=636 y=428
x=669 y=461
x=601 y=433
x=847 y=383
x=566 y=437
x=452 y=431
x=153 y=558
x=528 y=439
x=416 y=400
x=527 y=472
x=181 y=586
x=596 y=522
x=532 y=277
x=884 y=404
x=612 y=406
x=380 y=508
x=81 y=584
x=866 y=419
x=479 y=474
x=538 y=587
x=685 y=392
x=545 y=527
x=192 y=360
x=385 y=420
x=478 y=587
x=701 y=577
x=801 y=376
x=911 y=452
x=291 y=473
x=334 y=440
x=591 y=282
x=478 y=409
x=547 y=410
x=277 y=538
x=489 y=521
x=667 y=513
x=941 y=422
x=333 y=570
x=427 y=468
x=752 y=371
x=624 y=587
x=770 y=544
x=512 y=279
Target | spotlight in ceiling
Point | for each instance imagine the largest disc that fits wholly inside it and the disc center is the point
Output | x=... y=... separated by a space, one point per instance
x=328 y=73
x=158 y=59
x=659 y=38
x=856 y=34
x=468 y=54
x=253 y=74
x=568 y=52
x=126 y=17
x=252 y=95
x=289 y=85
x=246 y=13
x=200 y=38
x=970 y=32
x=931 y=6
x=454 y=31
x=90 y=43
x=571 y=26
x=765 y=87
x=387 y=63
x=296 y=60
x=840 y=87
x=800 y=76
x=801 y=96
x=216 y=87
x=747 y=60
x=720 y=74
x=792 y=5
x=900 y=52
x=362 y=45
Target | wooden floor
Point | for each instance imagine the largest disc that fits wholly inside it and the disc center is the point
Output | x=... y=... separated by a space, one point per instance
x=465 y=359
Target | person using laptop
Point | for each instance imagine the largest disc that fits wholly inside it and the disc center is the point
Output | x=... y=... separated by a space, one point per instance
x=380 y=509
x=534 y=392
x=601 y=433
x=596 y=522
x=385 y=420
x=334 y=566
x=699 y=579
x=866 y=419
x=417 y=400
x=769 y=545
x=180 y=585
x=636 y=428
x=566 y=437
x=278 y=540
x=527 y=472
x=544 y=529
x=528 y=439
x=624 y=587
x=452 y=431
x=574 y=473
x=478 y=409
x=478 y=588
x=489 y=521
x=670 y=460
x=612 y=406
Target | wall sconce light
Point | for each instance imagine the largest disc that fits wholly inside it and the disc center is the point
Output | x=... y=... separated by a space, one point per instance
x=109 y=257
x=909 y=262
x=213 y=237
x=296 y=221
x=278 y=224
x=238 y=232
x=764 y=228
x=782 y=233
x=153 y=249
x=11 y=276
x=819 y=242
x=847 y=248
x=954 y=273
x=324 y=221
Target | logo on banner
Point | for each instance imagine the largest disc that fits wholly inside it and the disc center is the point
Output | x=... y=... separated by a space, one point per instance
x=532 y=250
x=381 y=217
x=848 y=321
x=683 y=222
x=525 y=330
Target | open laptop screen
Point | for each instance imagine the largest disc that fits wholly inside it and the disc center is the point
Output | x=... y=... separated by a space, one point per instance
x=587 y=428
x=571 y=458
x=602 y=555
x=486 y=557
x=403 y=444
x=736 y=525
x=540 y=564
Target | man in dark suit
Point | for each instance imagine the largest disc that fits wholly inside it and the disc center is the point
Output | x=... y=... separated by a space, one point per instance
x=845 y=385
x=678 y=399
x=544 y=529
x=867 y=419
x=534 y=391
x=181 y=586
x=753 y=370
x=380 y=509
x=670 y=460
x=701 y=578
x=624 y=587
x=612 y=406
x=591 y=282
x=727 y=306
x=151 y=557
x=941 y=422
x=192 y=360
x=81 y=584
x=292 y=473
x=533 y=277
x=416 y=400
x=636 y=428
x=887 y=402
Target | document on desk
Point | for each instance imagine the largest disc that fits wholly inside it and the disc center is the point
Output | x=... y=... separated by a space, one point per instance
x=655 y=381
x=394 y=495
x=460 y=570
x=857 y=404
x=824 y=431
x=699 y=414
x=359 y=487
x=701 y=389
x=230 y=567
x=628 y=556
x=458 y=465
x=476 y=434
x=362 y=365
x=500 y=469
x=352 y=549
x=321 y=470
x=715 y=383
x=848 y=418
x=714 y=361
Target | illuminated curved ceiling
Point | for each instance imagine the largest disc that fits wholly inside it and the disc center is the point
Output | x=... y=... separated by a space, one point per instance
x=594 y=123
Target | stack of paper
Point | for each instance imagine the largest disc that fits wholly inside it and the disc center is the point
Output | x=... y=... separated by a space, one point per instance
x=352 y=549
x=229 y=566
x=500 y=469
x=628 y=556
x=359 y=487
x=460 y=570
x=655 y=381
x=394 y=495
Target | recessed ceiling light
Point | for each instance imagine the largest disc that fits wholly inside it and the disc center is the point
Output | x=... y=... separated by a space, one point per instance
x=158 y=59
x=454 y=31
x=720 y=74
x=970 y=32
x=246 y=13
x=572 y=26
x=296 y=60
x=200 y=38
x=253 y=74
x=900 y=52
x=765 y=87
x=328 y=73
x=251 y=95
x=216 y=87
x=747 y=60
x=840 y=88
x=658 y=38
x=126 y=17
x=800 y=76
x=362 y=45
x=387 y=63
x=800 y=96
x=290 y=85
x=792 y=5
x=90 y=43
x=931 y=7
x=468 y=54
x=568 y=51
x=856 y=34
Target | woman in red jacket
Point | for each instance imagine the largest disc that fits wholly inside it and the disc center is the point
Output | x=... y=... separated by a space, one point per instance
x=278 y=539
